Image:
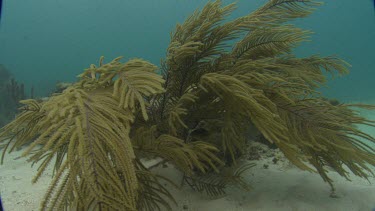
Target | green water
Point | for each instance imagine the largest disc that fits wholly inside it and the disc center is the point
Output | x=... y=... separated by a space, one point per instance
x=43 y=42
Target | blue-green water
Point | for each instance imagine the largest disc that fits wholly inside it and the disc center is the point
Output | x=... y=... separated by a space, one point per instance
x=45 y=41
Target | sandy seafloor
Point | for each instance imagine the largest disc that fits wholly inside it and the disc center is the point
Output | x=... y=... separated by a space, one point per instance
x=280 y=187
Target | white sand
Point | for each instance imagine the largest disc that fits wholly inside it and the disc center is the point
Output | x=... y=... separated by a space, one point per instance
x=280 y=187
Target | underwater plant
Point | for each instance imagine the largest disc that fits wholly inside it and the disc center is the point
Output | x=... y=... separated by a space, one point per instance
x=11 y=92
x=219 y=80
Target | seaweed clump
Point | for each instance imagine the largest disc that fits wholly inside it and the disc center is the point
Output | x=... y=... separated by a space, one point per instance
x=11 y=92
x=219 y=81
